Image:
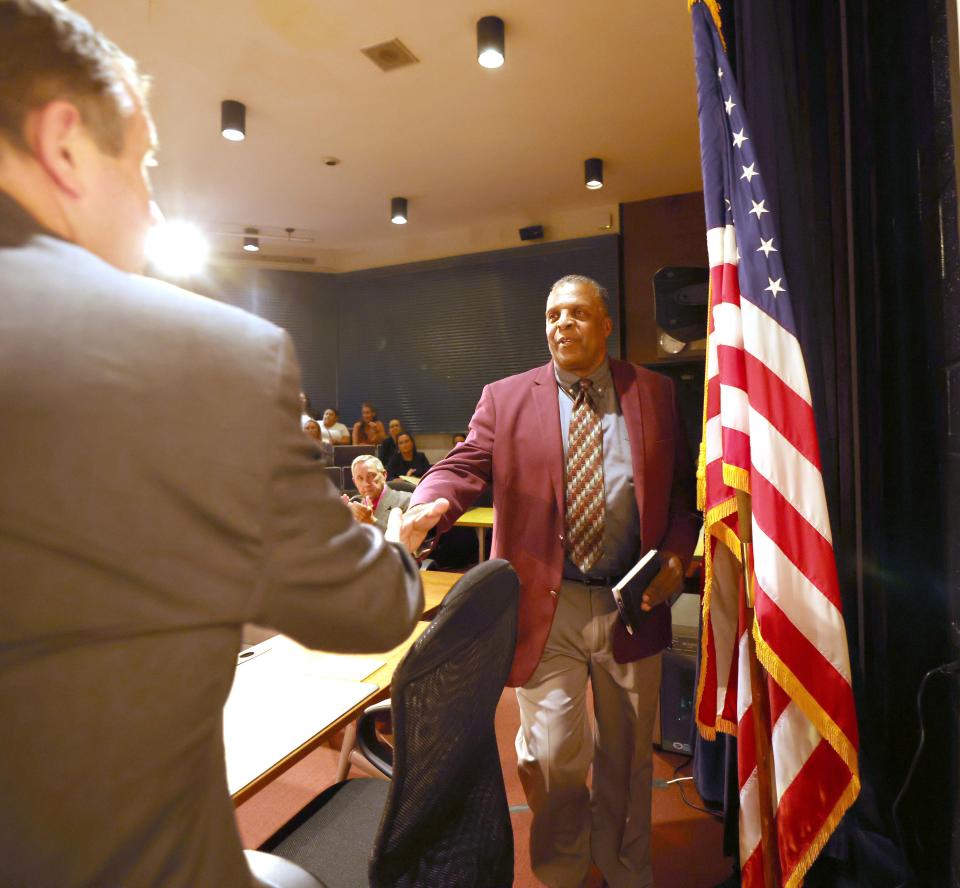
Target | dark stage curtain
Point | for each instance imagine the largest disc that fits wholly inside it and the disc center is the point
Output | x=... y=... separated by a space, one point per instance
x=851 y=126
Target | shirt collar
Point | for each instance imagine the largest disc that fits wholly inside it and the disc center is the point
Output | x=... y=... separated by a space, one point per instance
x=601 y=378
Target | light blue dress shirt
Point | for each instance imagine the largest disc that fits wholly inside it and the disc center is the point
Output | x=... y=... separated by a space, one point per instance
x=621 y=531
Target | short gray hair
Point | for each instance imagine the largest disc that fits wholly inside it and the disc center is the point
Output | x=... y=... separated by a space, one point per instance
x=584 y=281
x=370 y=460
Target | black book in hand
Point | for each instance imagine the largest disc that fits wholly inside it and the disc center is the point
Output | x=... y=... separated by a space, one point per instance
x=628 y=593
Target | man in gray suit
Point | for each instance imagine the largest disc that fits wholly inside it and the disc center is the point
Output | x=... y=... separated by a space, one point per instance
x=377 y=500
x=132 y=553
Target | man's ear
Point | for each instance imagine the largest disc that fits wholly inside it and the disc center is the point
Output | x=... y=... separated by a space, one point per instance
x=60 y=144
x=607 y=325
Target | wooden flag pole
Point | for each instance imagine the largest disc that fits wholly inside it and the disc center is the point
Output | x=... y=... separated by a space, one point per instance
x=760 y=706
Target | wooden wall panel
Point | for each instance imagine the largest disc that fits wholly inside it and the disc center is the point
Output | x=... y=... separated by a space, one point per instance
x=658 y=232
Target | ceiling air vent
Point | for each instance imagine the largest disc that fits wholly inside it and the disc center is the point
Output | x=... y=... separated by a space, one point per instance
x=390 y=55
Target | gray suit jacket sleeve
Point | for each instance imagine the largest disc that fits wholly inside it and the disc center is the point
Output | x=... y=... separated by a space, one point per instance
x=326 y=580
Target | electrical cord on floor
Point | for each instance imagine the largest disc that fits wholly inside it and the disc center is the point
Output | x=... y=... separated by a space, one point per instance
x=952 y=668
x=687 y=760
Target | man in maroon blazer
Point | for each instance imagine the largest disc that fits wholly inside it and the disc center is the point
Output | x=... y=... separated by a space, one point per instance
x=528 y=437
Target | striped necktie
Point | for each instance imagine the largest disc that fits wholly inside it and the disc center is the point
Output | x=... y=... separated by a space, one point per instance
x=585 y=499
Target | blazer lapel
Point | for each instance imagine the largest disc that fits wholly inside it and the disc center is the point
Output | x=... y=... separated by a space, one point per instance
x=544 y=393
x=633 y=402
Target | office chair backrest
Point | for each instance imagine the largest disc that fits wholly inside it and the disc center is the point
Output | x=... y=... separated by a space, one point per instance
x=446 y=821
x=345 y=454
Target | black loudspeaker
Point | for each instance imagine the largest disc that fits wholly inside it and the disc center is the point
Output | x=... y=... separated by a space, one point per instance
x=677 y=684
x=681 y=301
x=531 y=232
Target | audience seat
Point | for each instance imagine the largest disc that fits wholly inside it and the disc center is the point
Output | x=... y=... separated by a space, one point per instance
x=443 y=819
x=335 y=474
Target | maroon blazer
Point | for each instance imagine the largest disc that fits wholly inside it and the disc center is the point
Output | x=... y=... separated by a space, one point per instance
x=515 y=441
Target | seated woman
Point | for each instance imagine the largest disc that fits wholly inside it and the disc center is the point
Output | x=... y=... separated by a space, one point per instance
x=407 y=460
x=324 y=447
x=369 y=429
x=332 y=426
x=375 y=499
x=388 y=447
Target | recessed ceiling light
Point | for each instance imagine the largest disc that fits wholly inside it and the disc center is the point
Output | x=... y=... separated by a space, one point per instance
x=233 y=120
x=251 y=243
x=490 y=42
x=593 y=173
x=398 y=210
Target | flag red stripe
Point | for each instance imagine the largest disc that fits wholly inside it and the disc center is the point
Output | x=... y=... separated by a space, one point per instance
x=746 y=749
x=814 y=671
x=802 y=543
x=751 y=872
x=707 y=713
x=730 y=288
x=782 y=406
x=732 y=367
x=736 y=449
x=808 y=801
x=725 y=283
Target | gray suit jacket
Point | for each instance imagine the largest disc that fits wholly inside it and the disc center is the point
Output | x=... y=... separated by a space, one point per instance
x=156 y=492
x=390 y=499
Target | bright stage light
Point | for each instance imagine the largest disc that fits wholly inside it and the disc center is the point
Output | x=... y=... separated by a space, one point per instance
x=177 y=249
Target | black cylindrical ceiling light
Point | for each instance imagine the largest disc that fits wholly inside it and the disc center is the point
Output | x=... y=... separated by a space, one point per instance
x=491 y=47
x=593 y=173
x=233 y=120
x=398 y=210
x=251 y=243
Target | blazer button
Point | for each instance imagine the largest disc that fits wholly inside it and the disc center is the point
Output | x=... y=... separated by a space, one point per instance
x=553 y=593
x=560 y=537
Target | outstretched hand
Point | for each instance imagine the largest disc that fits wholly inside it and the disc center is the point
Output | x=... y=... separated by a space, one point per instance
x=419 y=520
x=667 y=583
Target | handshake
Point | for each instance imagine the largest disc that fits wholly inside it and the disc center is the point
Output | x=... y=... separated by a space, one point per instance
x=406 y=528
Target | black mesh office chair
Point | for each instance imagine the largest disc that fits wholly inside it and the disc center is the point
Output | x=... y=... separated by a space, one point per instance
x=443 y=820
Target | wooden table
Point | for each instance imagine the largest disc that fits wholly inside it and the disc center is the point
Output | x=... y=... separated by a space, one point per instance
x=436 y=585
x=481 y=519
x=286 y=700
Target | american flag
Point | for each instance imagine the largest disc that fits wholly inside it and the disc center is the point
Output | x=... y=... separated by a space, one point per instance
x=759 y=437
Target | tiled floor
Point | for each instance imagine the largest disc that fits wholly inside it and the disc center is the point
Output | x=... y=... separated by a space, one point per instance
x=686 y=843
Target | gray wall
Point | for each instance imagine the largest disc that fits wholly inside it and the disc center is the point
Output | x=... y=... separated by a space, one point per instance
x=420 y=341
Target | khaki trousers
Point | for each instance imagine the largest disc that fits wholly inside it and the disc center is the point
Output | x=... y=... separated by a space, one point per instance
x=556 y=746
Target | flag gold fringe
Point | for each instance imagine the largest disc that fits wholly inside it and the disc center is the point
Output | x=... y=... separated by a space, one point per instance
x=831 y=732
x=713 y=522
x=737 y=477
x=714 y=7
x=783 y=676
x=795 y=878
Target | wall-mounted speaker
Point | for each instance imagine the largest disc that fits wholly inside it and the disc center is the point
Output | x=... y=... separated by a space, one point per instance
x=531 y=232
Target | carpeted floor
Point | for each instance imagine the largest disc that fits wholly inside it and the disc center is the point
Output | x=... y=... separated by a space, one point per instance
x=686 y=843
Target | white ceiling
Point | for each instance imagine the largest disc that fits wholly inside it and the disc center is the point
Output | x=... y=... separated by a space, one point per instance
x=478 y=153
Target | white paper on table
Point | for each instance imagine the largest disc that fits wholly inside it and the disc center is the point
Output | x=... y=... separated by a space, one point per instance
x=287 y=653
x=276 y=704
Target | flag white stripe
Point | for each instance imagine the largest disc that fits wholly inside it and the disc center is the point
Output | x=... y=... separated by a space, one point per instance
x=714 y=438
x=786 y=468
x=722 y=246
x=727 y=325
x=744 y=691
x=802 y=603
x=774 y=347
x=794 y=738
x=735 y=408
x=749 y=817
x=713 y=367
